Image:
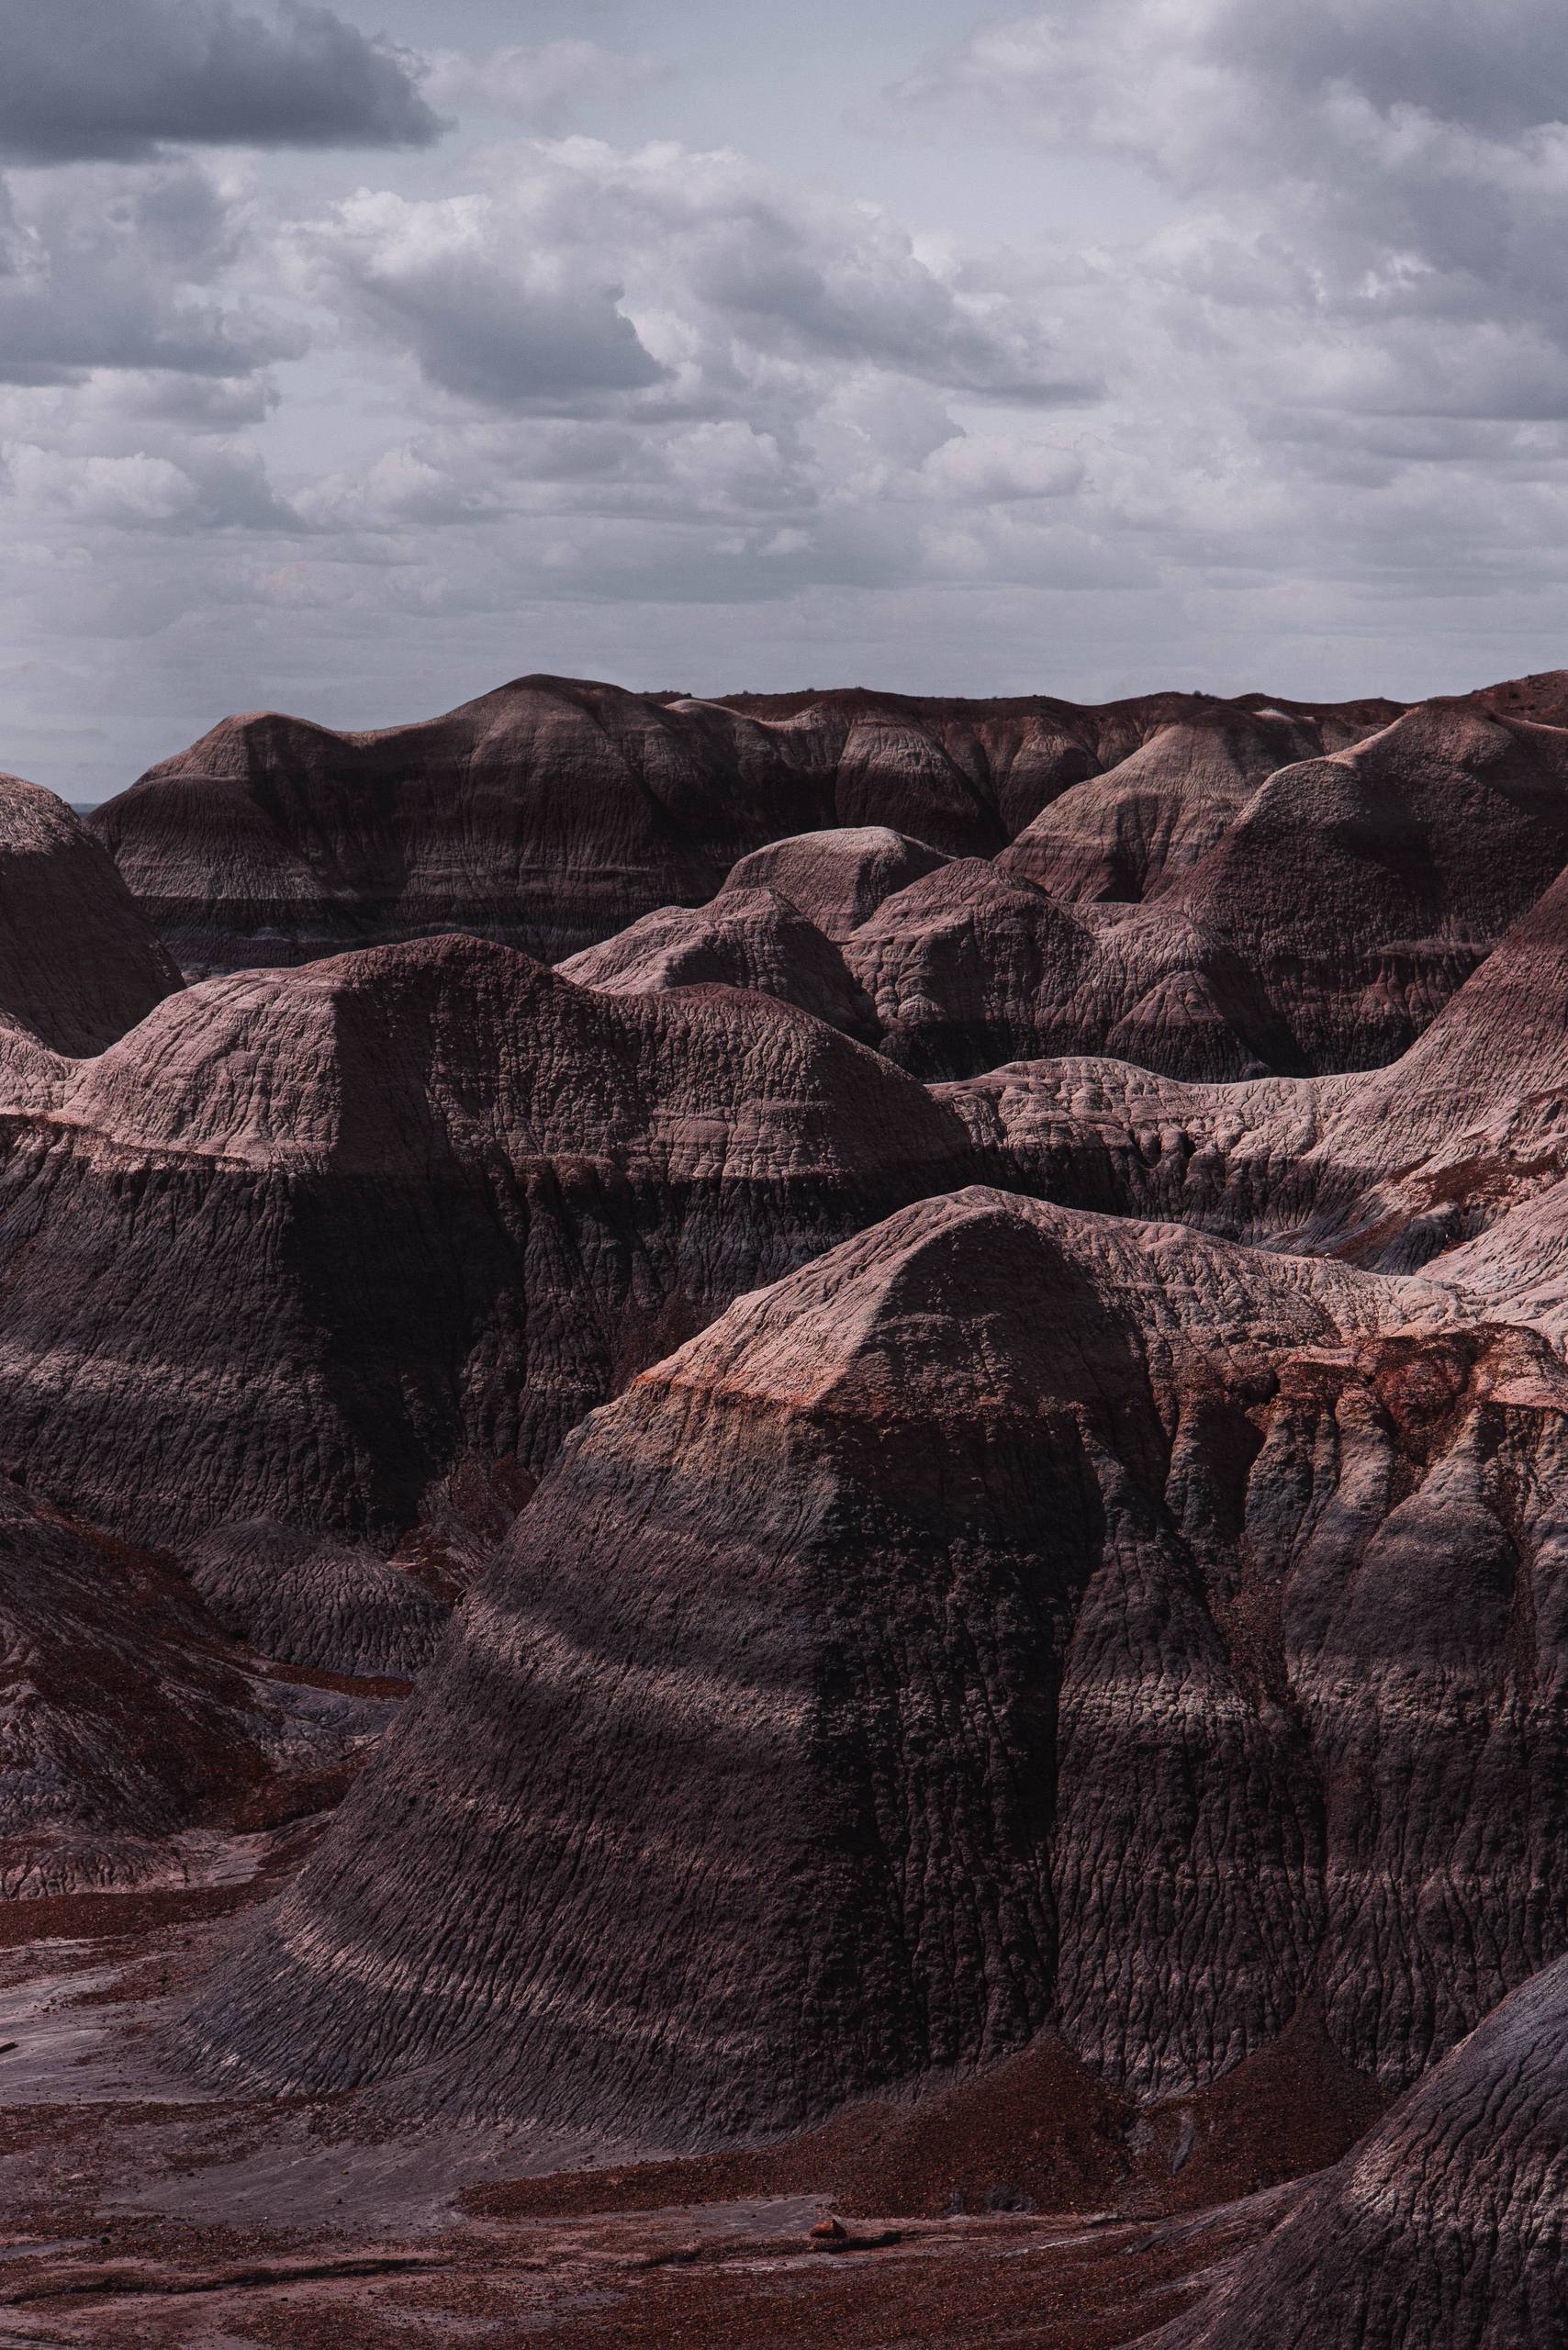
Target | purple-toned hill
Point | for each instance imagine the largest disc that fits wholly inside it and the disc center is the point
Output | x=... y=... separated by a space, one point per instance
x=837 y=878
x=1131 y=831
x=1244 y=889
x=752 y=938
x=1012 y=1618
x=79 y=961
x=1464 y=1135
x=307 y=1243
x=552 y=813
x=1447 y=2229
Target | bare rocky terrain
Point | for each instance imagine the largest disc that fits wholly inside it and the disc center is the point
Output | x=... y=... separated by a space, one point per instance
x=783 y=1500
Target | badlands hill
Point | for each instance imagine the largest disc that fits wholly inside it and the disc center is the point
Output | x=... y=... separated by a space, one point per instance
x=1012 y=1618
x=552 y=813
x=1466 y=1135
x=892 y=1376
x=1210 y=889
x=305 y=1244
x=1446 y=2227
x=80 y=962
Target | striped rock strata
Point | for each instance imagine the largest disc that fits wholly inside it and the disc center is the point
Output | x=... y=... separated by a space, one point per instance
x=306 y=1244
x=1012 y=1618
x=1447 y=2229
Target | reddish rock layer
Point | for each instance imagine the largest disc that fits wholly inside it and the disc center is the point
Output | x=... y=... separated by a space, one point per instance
x=1012 y=1618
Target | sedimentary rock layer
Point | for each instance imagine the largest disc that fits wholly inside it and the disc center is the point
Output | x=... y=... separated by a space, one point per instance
x=968 y=968
x=1013 y=1617
x=307 y=1242
x=1313 y=915
x=552 y=813
x=1446 y=2229
x=316 y=1598
x=1361 y=891
x=961 y=1416
x=1133 y=831
x=80 y=962
x=1393 y=1168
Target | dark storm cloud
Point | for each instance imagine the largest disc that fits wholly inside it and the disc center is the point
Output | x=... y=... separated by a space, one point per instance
x=117 y=79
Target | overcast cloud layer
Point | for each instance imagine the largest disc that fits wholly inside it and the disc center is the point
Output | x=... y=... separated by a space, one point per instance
x=1122 y=343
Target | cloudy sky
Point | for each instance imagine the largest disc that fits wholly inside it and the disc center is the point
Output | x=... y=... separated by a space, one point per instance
x=355 y=358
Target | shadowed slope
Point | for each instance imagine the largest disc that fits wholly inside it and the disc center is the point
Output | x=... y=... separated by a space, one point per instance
x=970 y=967
x=1294 y=917
x=305 y=1242
x=1360 y=891
x=125 y=1716
x=1011 y=1618
x=79 y=961
x=1447 y=2229
x=1390 y=1167
x=1133 y=831
x=302 y=1596
x=552 y=813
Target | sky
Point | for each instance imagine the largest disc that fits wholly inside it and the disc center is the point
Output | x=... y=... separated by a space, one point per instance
x=357 y=358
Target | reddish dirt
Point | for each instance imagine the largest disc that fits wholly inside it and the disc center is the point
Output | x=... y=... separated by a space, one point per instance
x=726 y=2274
x=1038 y=2133
x=709 y=2252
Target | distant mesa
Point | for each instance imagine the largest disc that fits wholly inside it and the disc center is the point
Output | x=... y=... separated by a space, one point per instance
x=552 y=813
x=1133 y=830
x=1263 y=886
x=968 y=968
